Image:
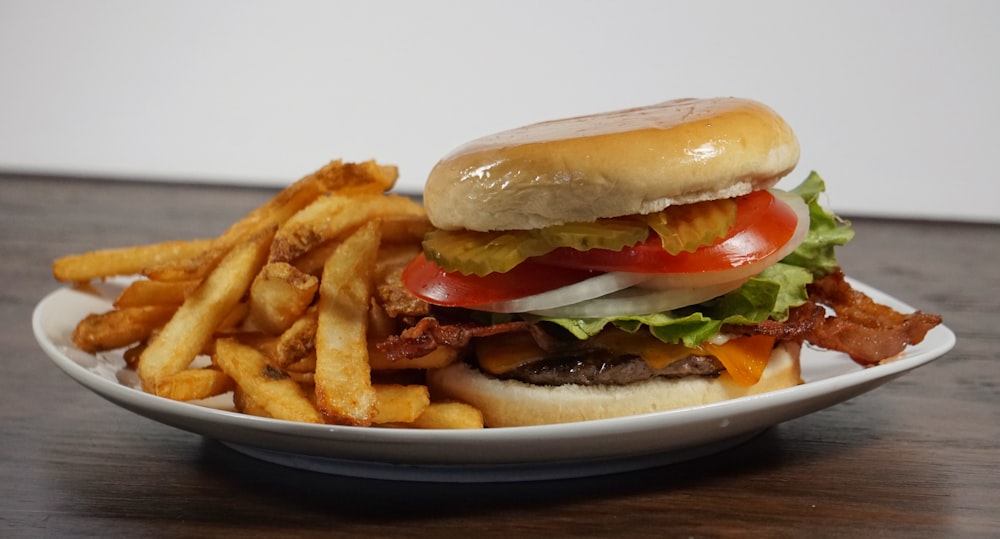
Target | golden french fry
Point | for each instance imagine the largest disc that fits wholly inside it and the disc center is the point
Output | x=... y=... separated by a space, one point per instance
x=265 y=344
x=120 y=327
x=287 y=203
x=235 y=318
x=449 y=415
x=189 y=330
x=400 y=403
x=313 y=260
x=145 y=292
x=272 y=213
x=344 y=391
x=298 y=341
x=382 y=177
x=303 y=371
x=306 y=364
x=278 y=296
x=193 y=384
x=331 y=217
x=405 y=229
x=244 y=404
x=304 y=379
x=131 y=355
x=271 y=389
x=125 y=260
x=442 y=356
x=187 y=269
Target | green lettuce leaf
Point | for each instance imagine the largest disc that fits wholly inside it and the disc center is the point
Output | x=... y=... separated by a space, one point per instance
x=826 y=231
x=769 y=295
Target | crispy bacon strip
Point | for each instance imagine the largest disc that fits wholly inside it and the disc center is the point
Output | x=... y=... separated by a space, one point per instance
x=422 y=338
x=800 y=321
x=867 y=331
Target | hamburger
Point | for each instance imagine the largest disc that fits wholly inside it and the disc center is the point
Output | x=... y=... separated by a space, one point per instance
x=629 y=262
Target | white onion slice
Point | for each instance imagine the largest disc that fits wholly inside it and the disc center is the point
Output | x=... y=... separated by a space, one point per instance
x=594 y=287
x=637 y=300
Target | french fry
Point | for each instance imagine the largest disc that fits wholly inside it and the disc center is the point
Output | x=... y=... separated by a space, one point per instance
x=131 y=355
x=265 y=344
x=278 y=296
x=304 y=379
x=235 y=318
x=405 y=229
x=344 y=392
x=303 y=371
x=120 y=327
x=382 y=177
x=306 y=364
x=277 y=210
x=125 y=260
x=269 y=388
x=189 y=330
x=313 y=260
x=145 y=292
x=193 y=384
x=298 y=341
x=332 y=216
x=245 y=405
x=449 y=415
x=400 y=403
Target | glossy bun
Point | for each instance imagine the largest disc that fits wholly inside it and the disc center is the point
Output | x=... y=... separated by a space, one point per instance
x=511 y=403
x=625 y=162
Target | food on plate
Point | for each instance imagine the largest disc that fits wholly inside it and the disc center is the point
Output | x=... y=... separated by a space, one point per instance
x=585 y=268
x=282 y=310
x=633 y=261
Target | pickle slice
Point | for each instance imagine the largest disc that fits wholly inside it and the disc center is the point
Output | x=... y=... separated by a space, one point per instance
x=691 y=226
x=680 y=228
x=476 y=253
x=480 y=253
x=610 y=234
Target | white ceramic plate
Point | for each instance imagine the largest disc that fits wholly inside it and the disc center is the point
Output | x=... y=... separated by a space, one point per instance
x=507 y=454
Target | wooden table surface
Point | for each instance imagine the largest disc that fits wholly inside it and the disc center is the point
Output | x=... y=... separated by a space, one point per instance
x=918 y=457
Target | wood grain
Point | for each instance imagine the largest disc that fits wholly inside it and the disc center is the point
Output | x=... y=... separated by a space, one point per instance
x=915 y=458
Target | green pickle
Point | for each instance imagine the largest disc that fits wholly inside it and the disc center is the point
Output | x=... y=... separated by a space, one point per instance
x=680 y=228
x=690 y=226
x=612 y=234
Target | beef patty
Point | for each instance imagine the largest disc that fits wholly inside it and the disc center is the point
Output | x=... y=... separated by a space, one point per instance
x=601 y=367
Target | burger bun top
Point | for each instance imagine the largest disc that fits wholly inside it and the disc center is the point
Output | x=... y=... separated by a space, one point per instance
x=625 y=162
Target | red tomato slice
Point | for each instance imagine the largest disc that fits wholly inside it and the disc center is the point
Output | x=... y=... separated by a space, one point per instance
x=763 y=225
x=429 y=282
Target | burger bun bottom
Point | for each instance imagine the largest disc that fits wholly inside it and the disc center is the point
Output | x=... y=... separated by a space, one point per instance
x=511 y=403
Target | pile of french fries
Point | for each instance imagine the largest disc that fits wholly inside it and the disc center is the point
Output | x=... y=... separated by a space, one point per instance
x=286 y=304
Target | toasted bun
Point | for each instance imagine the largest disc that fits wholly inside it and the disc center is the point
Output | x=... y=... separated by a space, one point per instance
x=511 y=403
x=606 y=165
